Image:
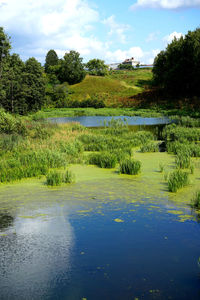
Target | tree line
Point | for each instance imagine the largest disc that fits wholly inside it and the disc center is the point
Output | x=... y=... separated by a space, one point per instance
x=27 y=86
x=177 y=69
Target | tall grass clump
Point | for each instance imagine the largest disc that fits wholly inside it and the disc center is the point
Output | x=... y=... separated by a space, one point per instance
x=150 y=147
x=116 y=126
x=103 y=160
x=195 y=202
x=177 y=180
x=68 y=177
x=182 y=160
x=56 y=178
x=130 y=166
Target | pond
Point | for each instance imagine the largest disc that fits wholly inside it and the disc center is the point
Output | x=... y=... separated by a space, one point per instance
x=99 y=239
x=97 y=121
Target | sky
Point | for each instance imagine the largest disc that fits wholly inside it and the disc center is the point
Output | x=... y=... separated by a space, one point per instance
x=107 y=29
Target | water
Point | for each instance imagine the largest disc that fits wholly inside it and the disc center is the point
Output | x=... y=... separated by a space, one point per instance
x=97 y=121
x=96 y=240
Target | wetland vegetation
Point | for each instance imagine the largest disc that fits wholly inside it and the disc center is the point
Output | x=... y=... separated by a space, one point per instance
x=126 y=180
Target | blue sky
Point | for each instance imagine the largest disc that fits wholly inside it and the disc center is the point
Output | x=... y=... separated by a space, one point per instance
x=106 y=29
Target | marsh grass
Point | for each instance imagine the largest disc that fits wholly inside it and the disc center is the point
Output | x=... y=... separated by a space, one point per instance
x=177 y=180
x=130 y=166
x=193 y=149
x=56 y=178
x=195 y=202
x=150 y=147
x=182 y=160
x=161 y=167
x=103 y=160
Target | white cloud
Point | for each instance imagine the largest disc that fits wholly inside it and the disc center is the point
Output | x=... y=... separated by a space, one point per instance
x=169 y=38
x=120 y=55
x=166 y=4
x=145 y=57
x=47 y=24
x=116 y=29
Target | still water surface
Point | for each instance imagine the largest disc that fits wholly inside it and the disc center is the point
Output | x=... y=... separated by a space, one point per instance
x=97 y=121
x=96 y=240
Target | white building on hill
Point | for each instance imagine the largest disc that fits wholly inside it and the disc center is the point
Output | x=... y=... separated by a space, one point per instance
x=128 y=61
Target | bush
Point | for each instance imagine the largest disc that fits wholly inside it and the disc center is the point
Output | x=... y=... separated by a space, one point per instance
x=10 y=124
x=130 y=166
x=177 y=180
x=103 y=160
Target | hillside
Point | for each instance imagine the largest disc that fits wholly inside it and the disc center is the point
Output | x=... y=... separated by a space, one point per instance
x=117 y=86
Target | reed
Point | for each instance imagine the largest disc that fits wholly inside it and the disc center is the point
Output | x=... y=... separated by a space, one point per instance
x=182 y=160
x=68 y=177
x=54 y=178
x=130 y=166
x=177 y=180
x=150 y=147
x=103 y=160
x=195 y=202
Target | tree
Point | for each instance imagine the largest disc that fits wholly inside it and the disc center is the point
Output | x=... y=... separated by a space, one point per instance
x=97 y=67
x=71 y=68
x=177 y=69
x=12 y=84
x=126 y=67
x=51 y=60
x=4 y=49
x=33 y=88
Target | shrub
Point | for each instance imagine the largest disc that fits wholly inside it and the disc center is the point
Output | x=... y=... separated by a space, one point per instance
x=130 y=166
x=103 y=160
x=10 y=124
x=177 y=180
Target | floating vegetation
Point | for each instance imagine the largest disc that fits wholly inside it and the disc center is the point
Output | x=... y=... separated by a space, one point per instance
x=177 y=180
x=130 y=166
x=118 y=220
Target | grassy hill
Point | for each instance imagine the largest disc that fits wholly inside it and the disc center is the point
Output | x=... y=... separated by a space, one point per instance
x=117 y=86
